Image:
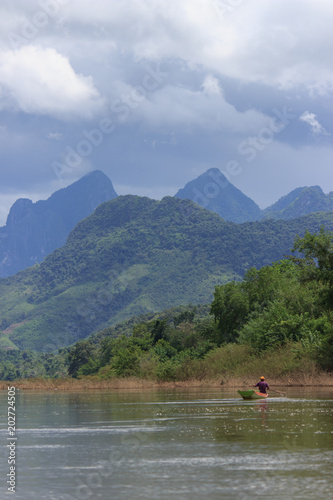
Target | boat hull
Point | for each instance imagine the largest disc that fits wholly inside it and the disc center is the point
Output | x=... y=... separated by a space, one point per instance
x=252 y=394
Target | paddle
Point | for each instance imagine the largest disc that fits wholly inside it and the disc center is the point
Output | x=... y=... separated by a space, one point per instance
x=282 y=393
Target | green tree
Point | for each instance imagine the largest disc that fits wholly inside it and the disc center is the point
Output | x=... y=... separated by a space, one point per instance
x=9 y=372
x=160 y=329
x=164 y=350
x=230 y=308
x=79 y=356
x=184 y=317
x=126 y=361
x=273 y=327
x=317 y=263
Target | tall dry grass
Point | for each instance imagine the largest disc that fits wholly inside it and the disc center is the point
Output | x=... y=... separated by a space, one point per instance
x=233 y=365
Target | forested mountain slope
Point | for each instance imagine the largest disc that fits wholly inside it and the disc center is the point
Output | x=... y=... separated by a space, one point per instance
x=135 y=255
x=301 y=201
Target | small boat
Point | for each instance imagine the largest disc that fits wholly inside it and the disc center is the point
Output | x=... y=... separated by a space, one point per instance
x=252 y=394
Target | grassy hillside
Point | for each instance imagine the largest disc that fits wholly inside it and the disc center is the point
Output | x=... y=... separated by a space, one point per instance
x=132 y=256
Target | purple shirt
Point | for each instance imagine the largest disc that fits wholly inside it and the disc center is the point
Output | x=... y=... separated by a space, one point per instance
x=262 y=386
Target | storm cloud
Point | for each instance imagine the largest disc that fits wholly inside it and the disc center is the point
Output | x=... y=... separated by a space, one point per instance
x=154 y=93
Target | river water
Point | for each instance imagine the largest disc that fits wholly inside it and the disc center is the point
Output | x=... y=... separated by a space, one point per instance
x=170 y=444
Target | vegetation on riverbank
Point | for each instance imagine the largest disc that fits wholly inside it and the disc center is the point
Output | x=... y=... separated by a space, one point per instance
x=283 y=369
x=277 y=321
x=134 y=255
x=232 y=365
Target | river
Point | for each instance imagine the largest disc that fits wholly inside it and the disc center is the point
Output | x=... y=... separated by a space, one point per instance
x=170 y=444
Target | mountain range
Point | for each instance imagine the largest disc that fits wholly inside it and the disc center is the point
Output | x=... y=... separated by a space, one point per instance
x=213 y=191
x=97 y=258
x=131 y=256
x=301 y=201
x=33 y=230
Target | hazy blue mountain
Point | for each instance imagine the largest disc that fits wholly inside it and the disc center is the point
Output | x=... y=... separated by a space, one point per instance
x=301 y=201
x=131 y=256
x=213 y=191
x=33 y=230
x=284 y=201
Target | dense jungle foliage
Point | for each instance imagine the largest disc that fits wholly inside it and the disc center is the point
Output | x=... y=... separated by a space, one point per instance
x=133 y=256
x=286 y=308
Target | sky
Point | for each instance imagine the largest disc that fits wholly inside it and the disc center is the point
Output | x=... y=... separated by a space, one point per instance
x=156 y=92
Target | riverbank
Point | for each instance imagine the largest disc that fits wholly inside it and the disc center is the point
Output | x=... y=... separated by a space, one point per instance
x=232 y=366
x=297 y=379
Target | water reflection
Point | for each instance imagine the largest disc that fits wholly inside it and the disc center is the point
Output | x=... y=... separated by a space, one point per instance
x=263 y=410
x=173 y=444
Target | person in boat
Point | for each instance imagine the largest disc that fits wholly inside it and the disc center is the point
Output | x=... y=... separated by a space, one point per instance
x=262 y=385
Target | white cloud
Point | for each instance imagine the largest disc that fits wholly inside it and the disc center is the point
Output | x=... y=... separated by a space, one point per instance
x=211 y=85
x=176 y=105
x=271 y=43
x=230 y=63
x=284 y=44
x=310 y=119
x=41 y=81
